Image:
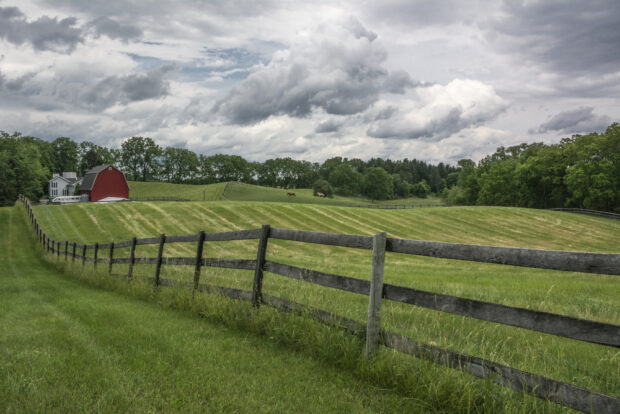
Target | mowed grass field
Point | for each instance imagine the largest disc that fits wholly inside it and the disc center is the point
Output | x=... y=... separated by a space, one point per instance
x=247 y=192
x=148 y=190
x=586 y=296
x=234 y=191
x=67 y=346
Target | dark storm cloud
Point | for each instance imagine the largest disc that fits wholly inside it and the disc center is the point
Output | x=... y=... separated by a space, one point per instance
x=420 y=13
x=398 y=82
x=126 y=89
x=567 y=37
x=338 y=69
x=575 y=121
x=113 y=29
x=442 y=126
x=331 y=125
x=45 y=33
x=230 y=8
x=14 y=85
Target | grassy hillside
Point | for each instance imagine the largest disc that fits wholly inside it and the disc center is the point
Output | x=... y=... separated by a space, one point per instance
x=247 y=192
x=146 y=190
x=580 y=295
x=68 y=347
x=234 y=191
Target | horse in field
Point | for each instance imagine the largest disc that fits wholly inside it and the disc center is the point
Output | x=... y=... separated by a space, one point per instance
x=290 y=194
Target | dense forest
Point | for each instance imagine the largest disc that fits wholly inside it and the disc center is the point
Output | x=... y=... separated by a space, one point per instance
x=582 y=171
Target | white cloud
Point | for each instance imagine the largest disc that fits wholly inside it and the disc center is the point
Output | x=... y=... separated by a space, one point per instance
x=426 y=81
x=439 y=111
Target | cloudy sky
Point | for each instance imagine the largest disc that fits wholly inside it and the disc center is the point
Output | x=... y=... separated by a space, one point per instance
x=427 y=79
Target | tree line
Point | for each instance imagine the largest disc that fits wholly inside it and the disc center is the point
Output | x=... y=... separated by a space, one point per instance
x=27 y=163
x=582 y=172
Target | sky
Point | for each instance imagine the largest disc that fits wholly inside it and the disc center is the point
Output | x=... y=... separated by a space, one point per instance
x=435 y=80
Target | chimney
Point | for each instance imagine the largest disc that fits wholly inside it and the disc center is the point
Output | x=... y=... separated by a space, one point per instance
x=54 y=175
x=69 y=175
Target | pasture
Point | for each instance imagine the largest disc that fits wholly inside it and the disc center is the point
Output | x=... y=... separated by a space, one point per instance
x=68 y=346
x=586 y=296
x=153 y=190
x=234 y=191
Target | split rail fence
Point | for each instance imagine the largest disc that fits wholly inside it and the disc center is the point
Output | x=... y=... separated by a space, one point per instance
x=563 y=393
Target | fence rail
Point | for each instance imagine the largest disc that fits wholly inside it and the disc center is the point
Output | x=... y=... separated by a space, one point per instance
x=597 y=213
x=578 y=329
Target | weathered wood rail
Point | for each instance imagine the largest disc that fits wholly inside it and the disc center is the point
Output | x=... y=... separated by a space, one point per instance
x=578 y=329
x=596 y=213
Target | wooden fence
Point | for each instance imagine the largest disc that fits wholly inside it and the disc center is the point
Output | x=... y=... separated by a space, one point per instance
x=596 y=213
x=569 y=395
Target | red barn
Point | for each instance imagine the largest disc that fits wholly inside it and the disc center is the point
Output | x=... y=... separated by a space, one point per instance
x=104 y=181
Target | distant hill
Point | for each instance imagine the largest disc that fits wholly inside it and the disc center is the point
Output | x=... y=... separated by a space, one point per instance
x=234 y=191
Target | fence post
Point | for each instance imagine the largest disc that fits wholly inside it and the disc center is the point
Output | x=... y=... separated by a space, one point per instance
x=160 y=252
x=66 y=249
x=132 y=256
x=376 y=292
x=199 y=247
x=74 y=246
x=111 y=258
x=257 y=290
x=83 y=255
x=95 y=256
x=58 y=248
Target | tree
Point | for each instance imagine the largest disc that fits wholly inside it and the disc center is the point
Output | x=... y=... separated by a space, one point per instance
x=421 y=189
x=139 y=158
x=377 y=184
x=498 y=185
x=179 y=165
x=65 y=155
x=229 y=168
x=324 y=187
x=345 y=180
x=401 y=187
x=92 y=155
x=592 y=177
x=328 y=165
x=540 y=175
x=21 y=171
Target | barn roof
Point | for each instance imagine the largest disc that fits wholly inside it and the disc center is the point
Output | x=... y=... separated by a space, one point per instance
x=89 y=178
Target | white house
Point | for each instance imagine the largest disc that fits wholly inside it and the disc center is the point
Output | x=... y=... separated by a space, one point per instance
x=63 y=185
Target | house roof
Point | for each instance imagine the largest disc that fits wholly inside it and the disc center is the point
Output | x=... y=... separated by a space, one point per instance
x=69 y=180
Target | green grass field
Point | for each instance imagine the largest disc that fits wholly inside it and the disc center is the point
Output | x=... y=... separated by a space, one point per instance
x=234 y=191
x=581 y=295
x=68 y=346
x=146 y=190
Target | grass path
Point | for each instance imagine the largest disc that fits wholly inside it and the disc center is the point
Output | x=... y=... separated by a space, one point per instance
x=68 y=347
